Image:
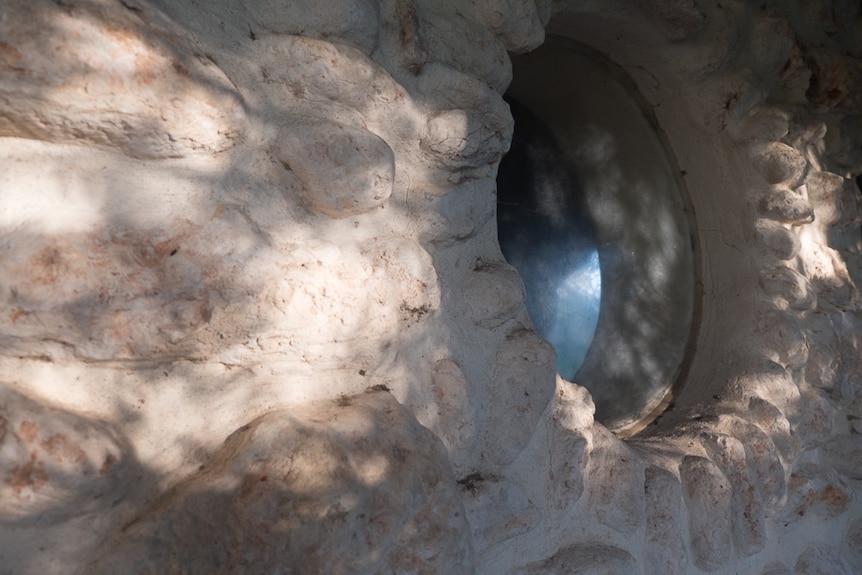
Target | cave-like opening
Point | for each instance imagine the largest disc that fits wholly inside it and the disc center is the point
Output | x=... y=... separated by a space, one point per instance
x=593 y=213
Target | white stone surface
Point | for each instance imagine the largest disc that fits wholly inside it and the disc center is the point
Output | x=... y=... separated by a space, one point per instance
x=221 y=225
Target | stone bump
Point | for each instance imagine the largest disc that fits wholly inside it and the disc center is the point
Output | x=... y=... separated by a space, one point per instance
x=821 y=560
x=815 y=490
x=746 y=505
x=707 y=495
x=789 y=285
x=779 y=163
x=570 y=443
x=775 y=568
x=853 y=540
x=456 y=414
x=362 y=464
x=770 y=419
x=763 y=461
x=467 y=46
x=587 y=559
x=517 y=22
x=494 y=294
x=523 y=385
x=353 y=22
x=836 y=80
x=472 y=125
x=615 y=476
x=837 y=203
x=844 y=452
x=665 y=548
x=777 y=239
x=498 y=510
x=113 y=76
x=345 y=171
x=786 y=206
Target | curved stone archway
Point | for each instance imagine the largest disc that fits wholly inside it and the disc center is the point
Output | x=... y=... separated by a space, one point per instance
x=258 y=317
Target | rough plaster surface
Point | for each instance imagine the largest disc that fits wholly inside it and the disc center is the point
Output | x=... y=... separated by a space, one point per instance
x=255 y=316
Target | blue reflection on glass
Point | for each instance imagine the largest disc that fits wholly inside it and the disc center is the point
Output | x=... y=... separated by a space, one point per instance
x=546 y=234
x=577 y=305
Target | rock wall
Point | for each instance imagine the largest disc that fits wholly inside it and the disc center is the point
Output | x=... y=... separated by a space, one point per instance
x=256 y=317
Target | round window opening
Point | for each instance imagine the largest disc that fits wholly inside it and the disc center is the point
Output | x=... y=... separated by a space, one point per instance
x=593 y=214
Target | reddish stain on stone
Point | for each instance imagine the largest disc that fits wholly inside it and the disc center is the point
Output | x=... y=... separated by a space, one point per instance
x=17 y=314
x=48 y=263
x=11 y=59
x=28 y=430
x=60 y=447
x=835 y=497
x=10 y=54
x=206 y=312
x=30 y=475
x=106 y=465
x=145 y=68
x=124 y=38
x=179 y=68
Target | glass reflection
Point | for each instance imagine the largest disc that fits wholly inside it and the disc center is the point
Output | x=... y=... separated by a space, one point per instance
x=546 y=234
x=590 y=170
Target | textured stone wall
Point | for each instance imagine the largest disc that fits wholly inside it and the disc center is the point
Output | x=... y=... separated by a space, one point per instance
x=256 y=319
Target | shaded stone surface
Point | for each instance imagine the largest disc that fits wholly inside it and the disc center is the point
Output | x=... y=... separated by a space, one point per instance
x=746 y=504
x=821 y=560
x=844 y=452
x=707 y=495
x=665 y=547
x=616 y=476
x=587 y=559
x=355 y=486
x=345 y=171
x=813 y=489
x=523 y=386
x=56 y=464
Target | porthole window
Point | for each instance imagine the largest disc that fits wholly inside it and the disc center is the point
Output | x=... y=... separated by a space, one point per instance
x=593 y=213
